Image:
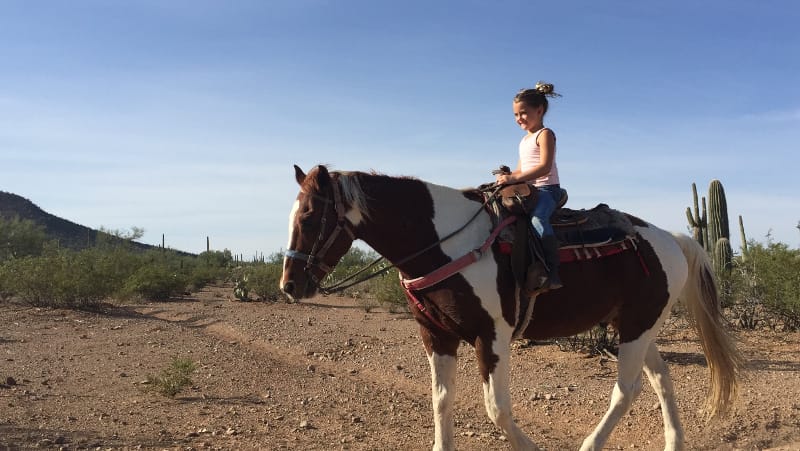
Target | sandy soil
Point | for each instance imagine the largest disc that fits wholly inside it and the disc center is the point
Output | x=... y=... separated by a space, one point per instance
x=326 y=374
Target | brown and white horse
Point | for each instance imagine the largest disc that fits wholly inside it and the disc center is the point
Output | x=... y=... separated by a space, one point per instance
x=634 y=291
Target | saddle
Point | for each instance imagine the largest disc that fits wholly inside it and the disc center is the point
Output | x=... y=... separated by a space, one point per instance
x=581 y=234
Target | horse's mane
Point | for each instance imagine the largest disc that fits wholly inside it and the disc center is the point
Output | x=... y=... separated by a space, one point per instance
x=352 y=192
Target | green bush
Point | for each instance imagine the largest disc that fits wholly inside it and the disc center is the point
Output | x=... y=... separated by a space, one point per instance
x=20 y=238
x=764 y=286
x=154 y=282
x=387 y=290
x=29 y=278
x=174 y=378
x=264 y=280
x=61 y=278
x=6 y=282
x=202 y=275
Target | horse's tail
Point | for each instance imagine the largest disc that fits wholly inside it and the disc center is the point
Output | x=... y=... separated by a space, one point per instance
x=725 y=363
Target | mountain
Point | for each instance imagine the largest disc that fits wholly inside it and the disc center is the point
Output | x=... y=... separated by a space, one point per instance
x=68 y=234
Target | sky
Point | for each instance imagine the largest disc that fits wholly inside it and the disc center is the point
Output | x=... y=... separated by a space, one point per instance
x=185 y=118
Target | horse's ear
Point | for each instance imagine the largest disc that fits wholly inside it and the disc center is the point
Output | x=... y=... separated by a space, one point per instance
x=299 y=175
x=323 y=176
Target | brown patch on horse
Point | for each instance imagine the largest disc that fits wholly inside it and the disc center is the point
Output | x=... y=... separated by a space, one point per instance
x=632 y=305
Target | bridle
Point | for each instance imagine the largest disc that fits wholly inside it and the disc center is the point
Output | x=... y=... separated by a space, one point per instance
x=314 y=259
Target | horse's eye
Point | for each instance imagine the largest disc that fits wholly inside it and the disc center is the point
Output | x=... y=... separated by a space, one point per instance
x=306 y=224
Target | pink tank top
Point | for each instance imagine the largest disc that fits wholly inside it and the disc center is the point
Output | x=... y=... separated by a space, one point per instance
x=530 y=156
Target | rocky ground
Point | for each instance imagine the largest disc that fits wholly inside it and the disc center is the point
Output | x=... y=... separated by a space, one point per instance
x=326 y=374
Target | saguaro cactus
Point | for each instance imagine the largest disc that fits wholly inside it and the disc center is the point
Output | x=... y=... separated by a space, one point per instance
x=698 y=222
x=717 y=212
x=743 y=237
x=718 y=226
x=723 y=254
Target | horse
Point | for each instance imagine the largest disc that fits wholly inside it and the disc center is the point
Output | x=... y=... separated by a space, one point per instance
x=421 y=227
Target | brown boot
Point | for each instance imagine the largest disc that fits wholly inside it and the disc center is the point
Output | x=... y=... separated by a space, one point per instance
x=536 y=277
x=552 y=259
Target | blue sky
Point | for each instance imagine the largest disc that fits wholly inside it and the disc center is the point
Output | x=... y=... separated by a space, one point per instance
x=185 y=117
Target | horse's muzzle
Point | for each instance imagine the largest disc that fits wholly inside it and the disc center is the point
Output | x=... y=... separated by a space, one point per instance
x=295 y=293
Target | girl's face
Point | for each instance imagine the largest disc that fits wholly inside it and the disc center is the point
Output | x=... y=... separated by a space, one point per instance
x=528 y=118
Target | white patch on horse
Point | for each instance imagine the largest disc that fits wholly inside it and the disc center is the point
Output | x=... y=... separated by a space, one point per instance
x=671 y=258
x=496 y=393
x=451 y=210
x=354 y=195
x=292 y=216
x=443 y=384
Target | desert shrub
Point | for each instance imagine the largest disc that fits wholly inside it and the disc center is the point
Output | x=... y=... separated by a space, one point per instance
x=174 y=378
x=765 y=286
x=264 y=280
x=216 y=259
x=154 y=282
x=28 y=278
x=600 y=339
x=387 y=290
x=20 y=238
x=61 y=278
x=202 y=275
x=6 y=282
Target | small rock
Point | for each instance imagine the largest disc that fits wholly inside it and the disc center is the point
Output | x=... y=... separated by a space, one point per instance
x=305 y=425
x=192 y=434
x=10 y=381
x=230 y=431
x=398 y=367
x=549 y=397
x=60 y=440
x=311 y=368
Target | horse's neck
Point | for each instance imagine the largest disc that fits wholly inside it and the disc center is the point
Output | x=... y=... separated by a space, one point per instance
x=407 y=216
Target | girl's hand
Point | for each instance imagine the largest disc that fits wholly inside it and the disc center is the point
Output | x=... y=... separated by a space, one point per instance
x=504 y=179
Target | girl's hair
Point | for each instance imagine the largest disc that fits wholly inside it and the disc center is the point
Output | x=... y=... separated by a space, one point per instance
x=536 y=96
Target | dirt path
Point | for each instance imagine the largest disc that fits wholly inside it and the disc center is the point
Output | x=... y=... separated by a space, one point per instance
x=328 y=375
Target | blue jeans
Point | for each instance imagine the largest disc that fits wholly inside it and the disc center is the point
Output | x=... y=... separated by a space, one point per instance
x=549 y=195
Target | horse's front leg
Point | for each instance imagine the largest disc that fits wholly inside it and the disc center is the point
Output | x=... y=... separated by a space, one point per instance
x=442 y=353
x=493 y=360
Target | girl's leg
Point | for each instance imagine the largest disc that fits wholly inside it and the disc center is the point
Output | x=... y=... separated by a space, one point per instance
x=545 y=206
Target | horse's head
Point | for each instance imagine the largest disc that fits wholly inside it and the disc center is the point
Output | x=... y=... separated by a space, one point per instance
x=316 y=241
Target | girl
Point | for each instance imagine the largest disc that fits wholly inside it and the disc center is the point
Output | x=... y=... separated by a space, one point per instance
x=537 y=166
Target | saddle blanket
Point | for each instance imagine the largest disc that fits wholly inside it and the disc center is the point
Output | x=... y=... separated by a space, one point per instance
x=586 y=234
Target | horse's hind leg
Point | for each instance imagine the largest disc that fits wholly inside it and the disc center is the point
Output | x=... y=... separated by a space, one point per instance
x=493 y=358
x=658 y=373
x=629 y=384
